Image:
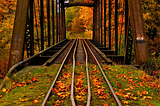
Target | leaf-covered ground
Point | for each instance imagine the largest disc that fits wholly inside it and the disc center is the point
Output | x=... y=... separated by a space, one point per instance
x=28 y=86
x=133 y=86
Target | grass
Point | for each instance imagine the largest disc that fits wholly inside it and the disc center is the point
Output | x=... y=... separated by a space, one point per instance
x=80 y=84
x=28 y=91
x=101 y=94
x=133 y=86
x=61 y=91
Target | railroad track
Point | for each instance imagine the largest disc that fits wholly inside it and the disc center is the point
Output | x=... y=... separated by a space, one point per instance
x=77 y=81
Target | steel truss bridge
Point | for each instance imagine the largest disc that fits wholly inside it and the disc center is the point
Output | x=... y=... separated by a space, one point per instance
x=25 y=20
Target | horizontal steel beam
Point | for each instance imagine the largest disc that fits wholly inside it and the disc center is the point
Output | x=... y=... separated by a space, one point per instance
x=78 y=4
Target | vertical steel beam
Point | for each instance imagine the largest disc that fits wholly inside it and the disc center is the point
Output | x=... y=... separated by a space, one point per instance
x=53 y=22
x=31 y=28
x=101 y=23
x=129 y=43
x=98 y=20
x=62 y=19
x=116 y=27
x=59 y=22
x=56 y=23
x=17 y=43
x=41 y=23
x=64 y=26
x=104 y=23
x=48 y=19
x=109 y=23
x=94 y=20
x=141 y=50
x=126 y=21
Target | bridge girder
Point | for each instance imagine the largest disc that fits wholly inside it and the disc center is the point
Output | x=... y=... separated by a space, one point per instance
x=19 y=30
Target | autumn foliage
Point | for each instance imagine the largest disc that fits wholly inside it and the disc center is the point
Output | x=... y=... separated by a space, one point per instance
x=79 y=23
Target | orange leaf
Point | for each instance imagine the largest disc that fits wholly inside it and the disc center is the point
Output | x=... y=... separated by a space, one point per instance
x=77 y=63
x=22 y=100
x=52 y=90
x=105 y=104
x=49 y=80
x=34 y=79
x=158 y=98
x=39 y=75
x=0 y=96
x=2 y=101
x=31 y=87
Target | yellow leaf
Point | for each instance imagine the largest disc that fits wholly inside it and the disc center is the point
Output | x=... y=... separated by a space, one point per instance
x=22 y=100
x=7 y=78
x=125 y=102
x=35 y=101
x=135 y=98
x=149 y=97
x=3 y=90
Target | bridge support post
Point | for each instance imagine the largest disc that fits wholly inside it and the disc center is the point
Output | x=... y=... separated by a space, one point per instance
x=140 y=47
x=104 y=23
x=53 y=23
x=48 y=19
x=62 y=19
x=101 y=22
x=94 y=20
x=17 y=43
x=56 y=23
x=41 y=24
x=109 y=24
x=116 y=27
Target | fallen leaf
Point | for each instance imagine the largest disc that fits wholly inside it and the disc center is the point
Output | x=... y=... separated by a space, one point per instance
x=22 y=100
x=105 y=104
x=3 y=90
x=39 y=75
x=31 y=87
x=35 y=101
x=135 y=98
x=149 y=97
x=2 y=100
x=49 y=80
x=125 y=102
x=77 y=63
x=34 y=79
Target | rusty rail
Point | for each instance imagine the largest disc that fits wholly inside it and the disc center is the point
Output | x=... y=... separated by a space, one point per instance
x=49 y=91
x=106 y=79
x=88 y=81
x=72 y=83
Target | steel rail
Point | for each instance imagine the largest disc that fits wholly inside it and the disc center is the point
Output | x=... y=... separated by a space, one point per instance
x=72 y=83
x=88 y=81
x=110 y=86
x=49 y=91
x=101 y=54
x=12 y=69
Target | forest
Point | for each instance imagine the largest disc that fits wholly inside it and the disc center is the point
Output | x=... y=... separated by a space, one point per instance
x=79 y=24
